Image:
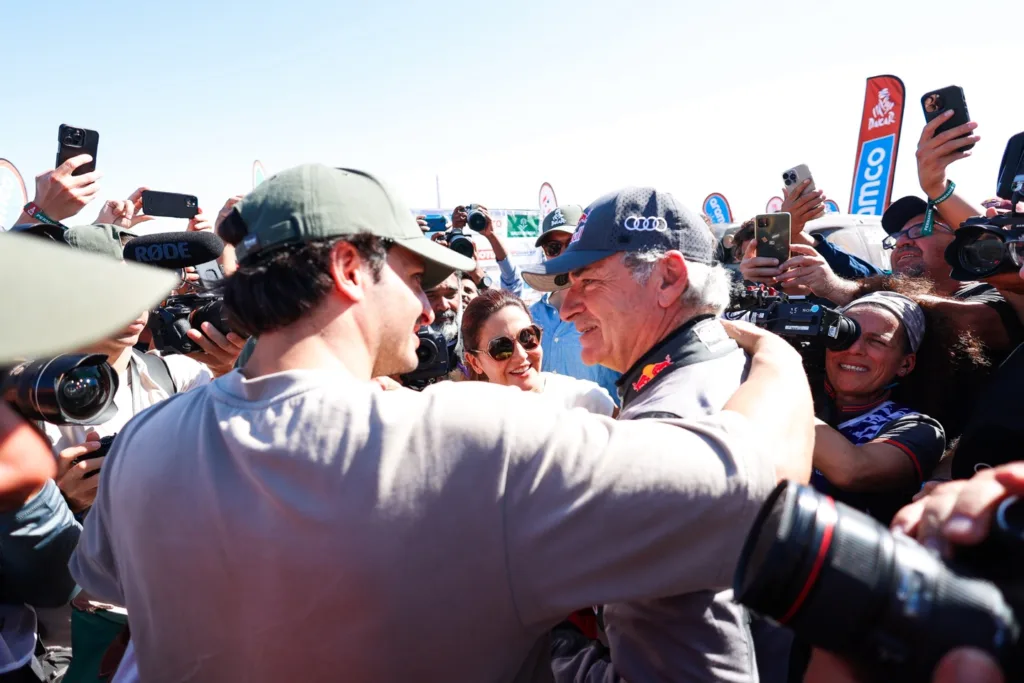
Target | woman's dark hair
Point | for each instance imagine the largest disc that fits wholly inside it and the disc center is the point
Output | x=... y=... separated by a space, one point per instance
x=282 y=286
x=951 y=362
x=479 y=311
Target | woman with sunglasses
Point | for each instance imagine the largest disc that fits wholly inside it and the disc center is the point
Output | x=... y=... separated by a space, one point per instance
x=503 y=347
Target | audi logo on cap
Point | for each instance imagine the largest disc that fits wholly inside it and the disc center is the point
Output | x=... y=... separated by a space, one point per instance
x=642 y=224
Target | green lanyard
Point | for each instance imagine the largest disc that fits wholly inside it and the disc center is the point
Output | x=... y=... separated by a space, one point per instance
x=32 y=209
x=929 y=214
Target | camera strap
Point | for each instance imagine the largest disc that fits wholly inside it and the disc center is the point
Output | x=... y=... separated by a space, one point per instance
x=929 y=214
x=32 y=209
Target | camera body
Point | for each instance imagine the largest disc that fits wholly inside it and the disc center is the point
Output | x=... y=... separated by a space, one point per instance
x=798 y=318
x=171 y=321
x=436 y=359
x=460 y=242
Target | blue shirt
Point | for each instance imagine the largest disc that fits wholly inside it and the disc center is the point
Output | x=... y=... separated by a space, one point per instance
x=842 y=263
x=561 y=340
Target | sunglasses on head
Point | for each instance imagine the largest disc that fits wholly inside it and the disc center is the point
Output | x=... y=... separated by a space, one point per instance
x=502 y=348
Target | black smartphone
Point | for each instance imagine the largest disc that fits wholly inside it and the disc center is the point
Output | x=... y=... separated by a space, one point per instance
x=772 y=232
x=1011 y=169
x=169 y=204
x=73 y=141
x=936 y=102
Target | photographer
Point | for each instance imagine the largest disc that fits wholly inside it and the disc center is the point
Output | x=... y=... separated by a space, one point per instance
x=869 y=451
x=341 y=508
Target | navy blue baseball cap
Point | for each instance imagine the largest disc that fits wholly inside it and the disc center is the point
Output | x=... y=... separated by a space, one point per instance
x=901 y=211
x=632 y=219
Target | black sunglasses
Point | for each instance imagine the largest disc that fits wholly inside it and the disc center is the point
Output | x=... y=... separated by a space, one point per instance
x=553 y=248
x=502 y=348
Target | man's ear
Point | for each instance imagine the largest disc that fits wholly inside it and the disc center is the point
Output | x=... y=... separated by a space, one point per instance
x=672 y=278
x=347 y=271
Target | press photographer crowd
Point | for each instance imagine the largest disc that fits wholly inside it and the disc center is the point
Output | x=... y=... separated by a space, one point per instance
x=308 y=438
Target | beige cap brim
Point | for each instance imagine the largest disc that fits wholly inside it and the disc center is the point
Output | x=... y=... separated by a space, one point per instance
x=56 y=299
x=439 y=261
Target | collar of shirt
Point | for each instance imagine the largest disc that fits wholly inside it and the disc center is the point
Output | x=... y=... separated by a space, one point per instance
x=840 y=415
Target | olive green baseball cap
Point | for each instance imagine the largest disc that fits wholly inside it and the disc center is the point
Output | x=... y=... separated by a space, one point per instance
x=57 y=299
x=314 y=201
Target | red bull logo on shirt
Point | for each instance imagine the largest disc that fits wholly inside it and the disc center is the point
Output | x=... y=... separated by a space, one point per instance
x=650 y=372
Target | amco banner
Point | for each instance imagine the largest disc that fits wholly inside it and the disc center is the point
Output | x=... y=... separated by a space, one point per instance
x=878 y=145
x=716 y=207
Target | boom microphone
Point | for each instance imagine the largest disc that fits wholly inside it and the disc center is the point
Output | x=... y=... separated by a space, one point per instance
x=174 y=250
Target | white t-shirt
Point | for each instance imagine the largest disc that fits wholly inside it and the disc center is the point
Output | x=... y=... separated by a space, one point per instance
x=571 y=392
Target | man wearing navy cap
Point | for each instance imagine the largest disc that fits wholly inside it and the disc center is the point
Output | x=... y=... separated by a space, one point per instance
x=640 y=283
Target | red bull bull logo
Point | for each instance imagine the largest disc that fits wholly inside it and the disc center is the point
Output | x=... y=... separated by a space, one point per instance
x=650 y=372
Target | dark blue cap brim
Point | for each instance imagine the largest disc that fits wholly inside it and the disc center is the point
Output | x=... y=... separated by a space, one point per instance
x=553 y=275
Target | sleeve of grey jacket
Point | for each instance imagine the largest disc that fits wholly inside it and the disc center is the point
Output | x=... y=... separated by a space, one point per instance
x=599 y=511
x=36 y=542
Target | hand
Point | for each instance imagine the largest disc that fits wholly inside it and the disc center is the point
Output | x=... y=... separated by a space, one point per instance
x=758 y=268
x=936 y=152
x=750 y=337
x=26 y=461
x=422 y=222
x=219 y=352
x=960 y=512
x=200 y=223
x=802 y=209
x=808 y=269
x=225 y=210
x=191 y=277
x=79 y=489
x=439 y=237
x=124 y=213
x=488 y=230
x=61 y=195
x=963 y=665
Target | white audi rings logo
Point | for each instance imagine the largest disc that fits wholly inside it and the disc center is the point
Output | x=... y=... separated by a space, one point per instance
x=643 y=224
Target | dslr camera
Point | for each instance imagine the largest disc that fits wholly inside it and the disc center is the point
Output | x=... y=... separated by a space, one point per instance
x=436 y=357
x=802 y=320
x=841 y=581
x=984 y=247
x=72 y=389
x=171 y=321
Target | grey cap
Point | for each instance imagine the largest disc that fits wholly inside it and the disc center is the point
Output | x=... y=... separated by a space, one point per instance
x=906 y=310
x=563 y=219
x=632 y=219
x=73 y=298
x=315 y=202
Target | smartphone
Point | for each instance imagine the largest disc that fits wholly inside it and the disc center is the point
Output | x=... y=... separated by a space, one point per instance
x=1011 y=168
x=772 y=233
x=169 y=204
x=938 y=101
x=73 y=141
x=796 y=175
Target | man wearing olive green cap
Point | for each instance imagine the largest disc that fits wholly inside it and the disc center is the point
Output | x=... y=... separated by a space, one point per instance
x=331 y=529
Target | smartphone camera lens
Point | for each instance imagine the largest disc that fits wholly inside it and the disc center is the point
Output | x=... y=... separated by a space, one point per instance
x=762 y=222
x=75 y=137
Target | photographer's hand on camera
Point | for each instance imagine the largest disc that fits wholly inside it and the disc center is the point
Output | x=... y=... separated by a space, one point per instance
x=934 y=155
x=61 y=195
x=72 y=478
x=960 y=512
x=124 y=213
x=802 y=208
x=219 y=351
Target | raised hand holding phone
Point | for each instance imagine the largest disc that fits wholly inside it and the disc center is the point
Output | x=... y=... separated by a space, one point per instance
x=124 y=213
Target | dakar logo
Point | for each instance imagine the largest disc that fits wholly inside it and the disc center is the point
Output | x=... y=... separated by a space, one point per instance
x=884 y=113
x=579 y=230
x=650 y=372
x=557 y=218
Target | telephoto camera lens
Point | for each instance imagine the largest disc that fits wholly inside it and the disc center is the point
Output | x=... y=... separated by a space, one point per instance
x=983 y=255
x=212 y=312
x=66 y=390
x=460 y=243
x=477 y=220
x=843 y=582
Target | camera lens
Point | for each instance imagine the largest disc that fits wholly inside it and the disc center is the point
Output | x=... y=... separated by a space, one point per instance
x=762 y=222
x=69 y=389
x=841 y=581
x=461 y=245
x=477 y=221
x=983 y=255
x=427 y=351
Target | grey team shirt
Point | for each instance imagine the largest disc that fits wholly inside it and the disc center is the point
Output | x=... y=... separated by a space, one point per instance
x=704 y=635
x=310 y=525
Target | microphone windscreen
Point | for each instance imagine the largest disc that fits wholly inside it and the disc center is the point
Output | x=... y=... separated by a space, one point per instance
x=174 y=250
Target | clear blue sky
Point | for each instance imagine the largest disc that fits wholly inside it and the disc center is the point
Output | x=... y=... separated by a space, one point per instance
x=496 y=97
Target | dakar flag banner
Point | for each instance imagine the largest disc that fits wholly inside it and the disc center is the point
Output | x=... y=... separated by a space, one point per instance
x=12 y=194
x=716 y=207
x=879 y=142
x=547 y=200
x=774 y=205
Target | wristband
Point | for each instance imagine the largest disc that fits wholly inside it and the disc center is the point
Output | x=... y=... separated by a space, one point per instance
x=929 y=214
x=32 y=209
